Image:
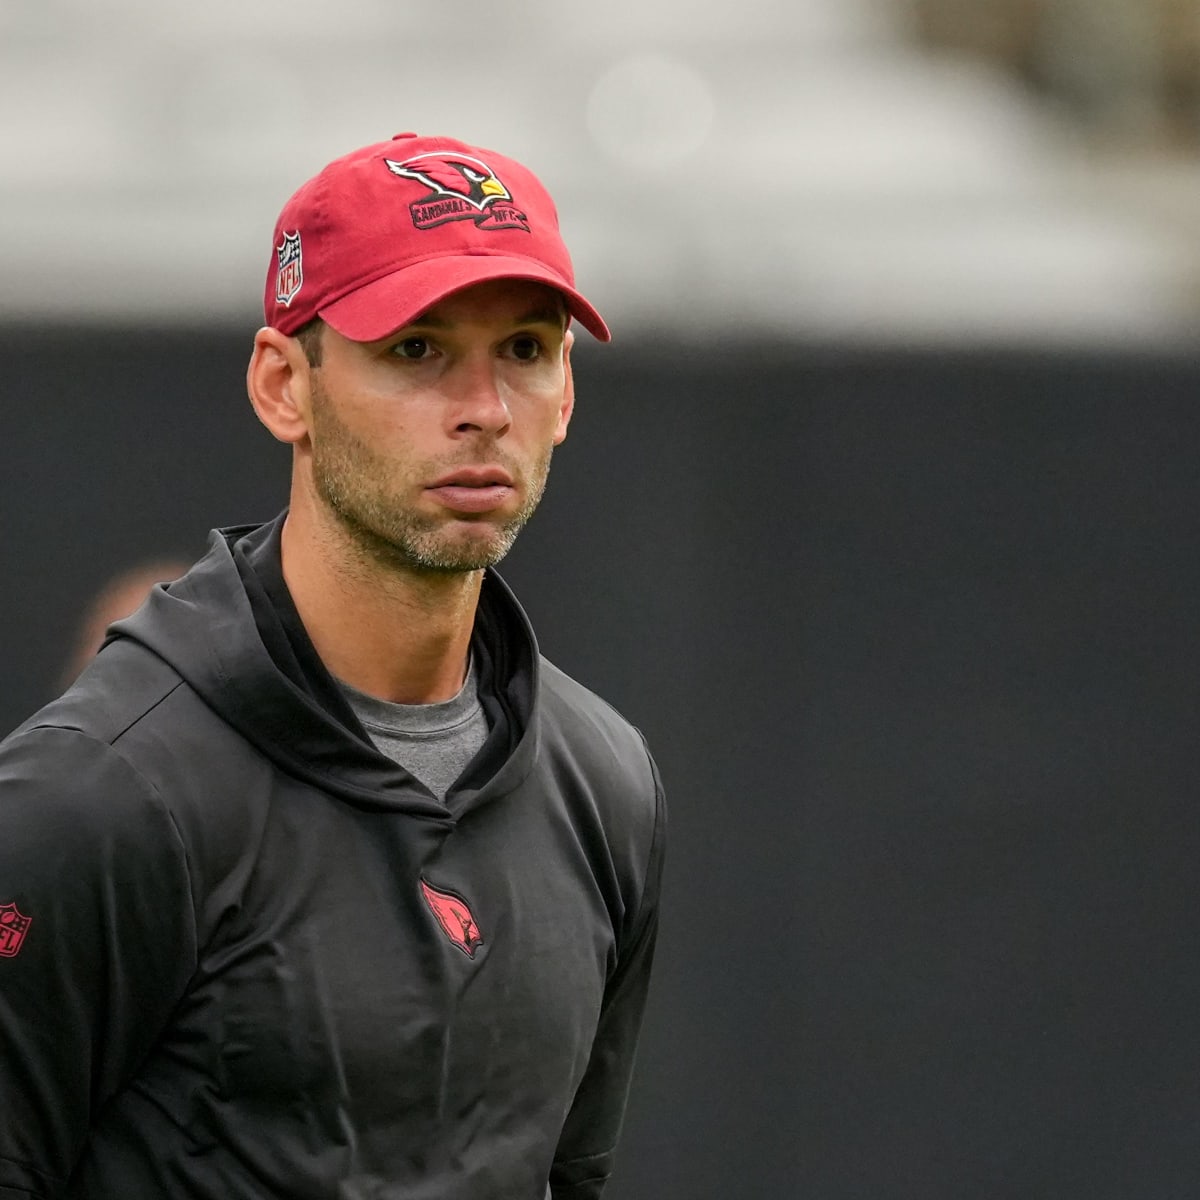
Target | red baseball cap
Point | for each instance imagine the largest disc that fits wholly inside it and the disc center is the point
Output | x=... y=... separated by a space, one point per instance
x=385 y=232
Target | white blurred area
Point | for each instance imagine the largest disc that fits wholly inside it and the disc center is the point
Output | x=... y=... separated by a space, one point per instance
x=808 y=169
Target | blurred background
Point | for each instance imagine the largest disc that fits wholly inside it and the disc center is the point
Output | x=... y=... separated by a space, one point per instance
x=879 y=516
x=899 y=170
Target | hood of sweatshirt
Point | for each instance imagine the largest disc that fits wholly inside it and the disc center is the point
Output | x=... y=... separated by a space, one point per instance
x=230 y=630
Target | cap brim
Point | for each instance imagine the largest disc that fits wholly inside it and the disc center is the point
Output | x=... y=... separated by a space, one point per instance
x=387 y=304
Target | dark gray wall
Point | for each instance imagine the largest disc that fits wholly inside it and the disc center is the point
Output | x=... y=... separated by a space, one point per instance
x=912 y=637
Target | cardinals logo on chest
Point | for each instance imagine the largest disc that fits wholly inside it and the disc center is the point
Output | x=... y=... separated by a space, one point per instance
x=461 y=188
x=454 y=915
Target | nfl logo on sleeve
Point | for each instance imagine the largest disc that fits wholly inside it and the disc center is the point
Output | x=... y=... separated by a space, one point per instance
x=13 y=928
x=290 y=277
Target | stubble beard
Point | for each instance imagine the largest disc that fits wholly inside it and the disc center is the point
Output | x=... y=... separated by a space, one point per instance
x=358 y=487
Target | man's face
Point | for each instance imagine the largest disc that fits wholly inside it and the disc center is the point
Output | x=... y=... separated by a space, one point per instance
x=431 y=447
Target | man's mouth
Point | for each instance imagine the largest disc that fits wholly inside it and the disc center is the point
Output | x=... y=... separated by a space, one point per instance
x=475 y=477
x=473 y=489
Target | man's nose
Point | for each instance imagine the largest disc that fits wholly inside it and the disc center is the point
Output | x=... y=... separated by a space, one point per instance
x=481 y=405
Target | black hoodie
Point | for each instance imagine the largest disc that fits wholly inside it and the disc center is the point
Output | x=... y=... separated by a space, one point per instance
x=244 y=956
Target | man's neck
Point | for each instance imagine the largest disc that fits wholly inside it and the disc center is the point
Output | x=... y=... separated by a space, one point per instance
x=400 y=635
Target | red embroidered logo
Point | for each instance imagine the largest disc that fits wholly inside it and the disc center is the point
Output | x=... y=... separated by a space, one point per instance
x=454 y=916
x=461 y=188
x=13 y=928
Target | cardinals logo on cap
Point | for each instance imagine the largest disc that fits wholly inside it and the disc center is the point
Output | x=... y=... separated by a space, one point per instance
x=461 y=188
x=455 y=918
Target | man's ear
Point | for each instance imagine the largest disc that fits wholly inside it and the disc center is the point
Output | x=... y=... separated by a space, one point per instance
x=568 y=402
x=278 y=384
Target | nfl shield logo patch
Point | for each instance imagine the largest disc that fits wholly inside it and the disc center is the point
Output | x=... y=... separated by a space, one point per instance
x=290 y=276
x=13 y=928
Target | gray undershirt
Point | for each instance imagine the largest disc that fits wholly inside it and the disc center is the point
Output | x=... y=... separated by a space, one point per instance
x=433 y=742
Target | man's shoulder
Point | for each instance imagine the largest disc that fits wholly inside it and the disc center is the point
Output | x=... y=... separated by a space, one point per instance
x=64 y=767
x=130 y=750
x=128 y=705
x=589 y=729
x=116 y=689
x=608 y=780
x=567 y=698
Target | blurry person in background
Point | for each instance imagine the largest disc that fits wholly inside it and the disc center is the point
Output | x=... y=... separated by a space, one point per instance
x=320 y=881
x=118 y=598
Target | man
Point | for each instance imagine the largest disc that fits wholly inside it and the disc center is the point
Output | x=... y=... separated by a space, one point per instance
x=320 y=882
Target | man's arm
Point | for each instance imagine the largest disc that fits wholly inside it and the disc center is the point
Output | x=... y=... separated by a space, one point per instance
x=586 y=1149
x=97 y=941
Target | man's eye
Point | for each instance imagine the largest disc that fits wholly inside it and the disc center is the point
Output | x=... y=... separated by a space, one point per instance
x=413 y=348
x=526 y=348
